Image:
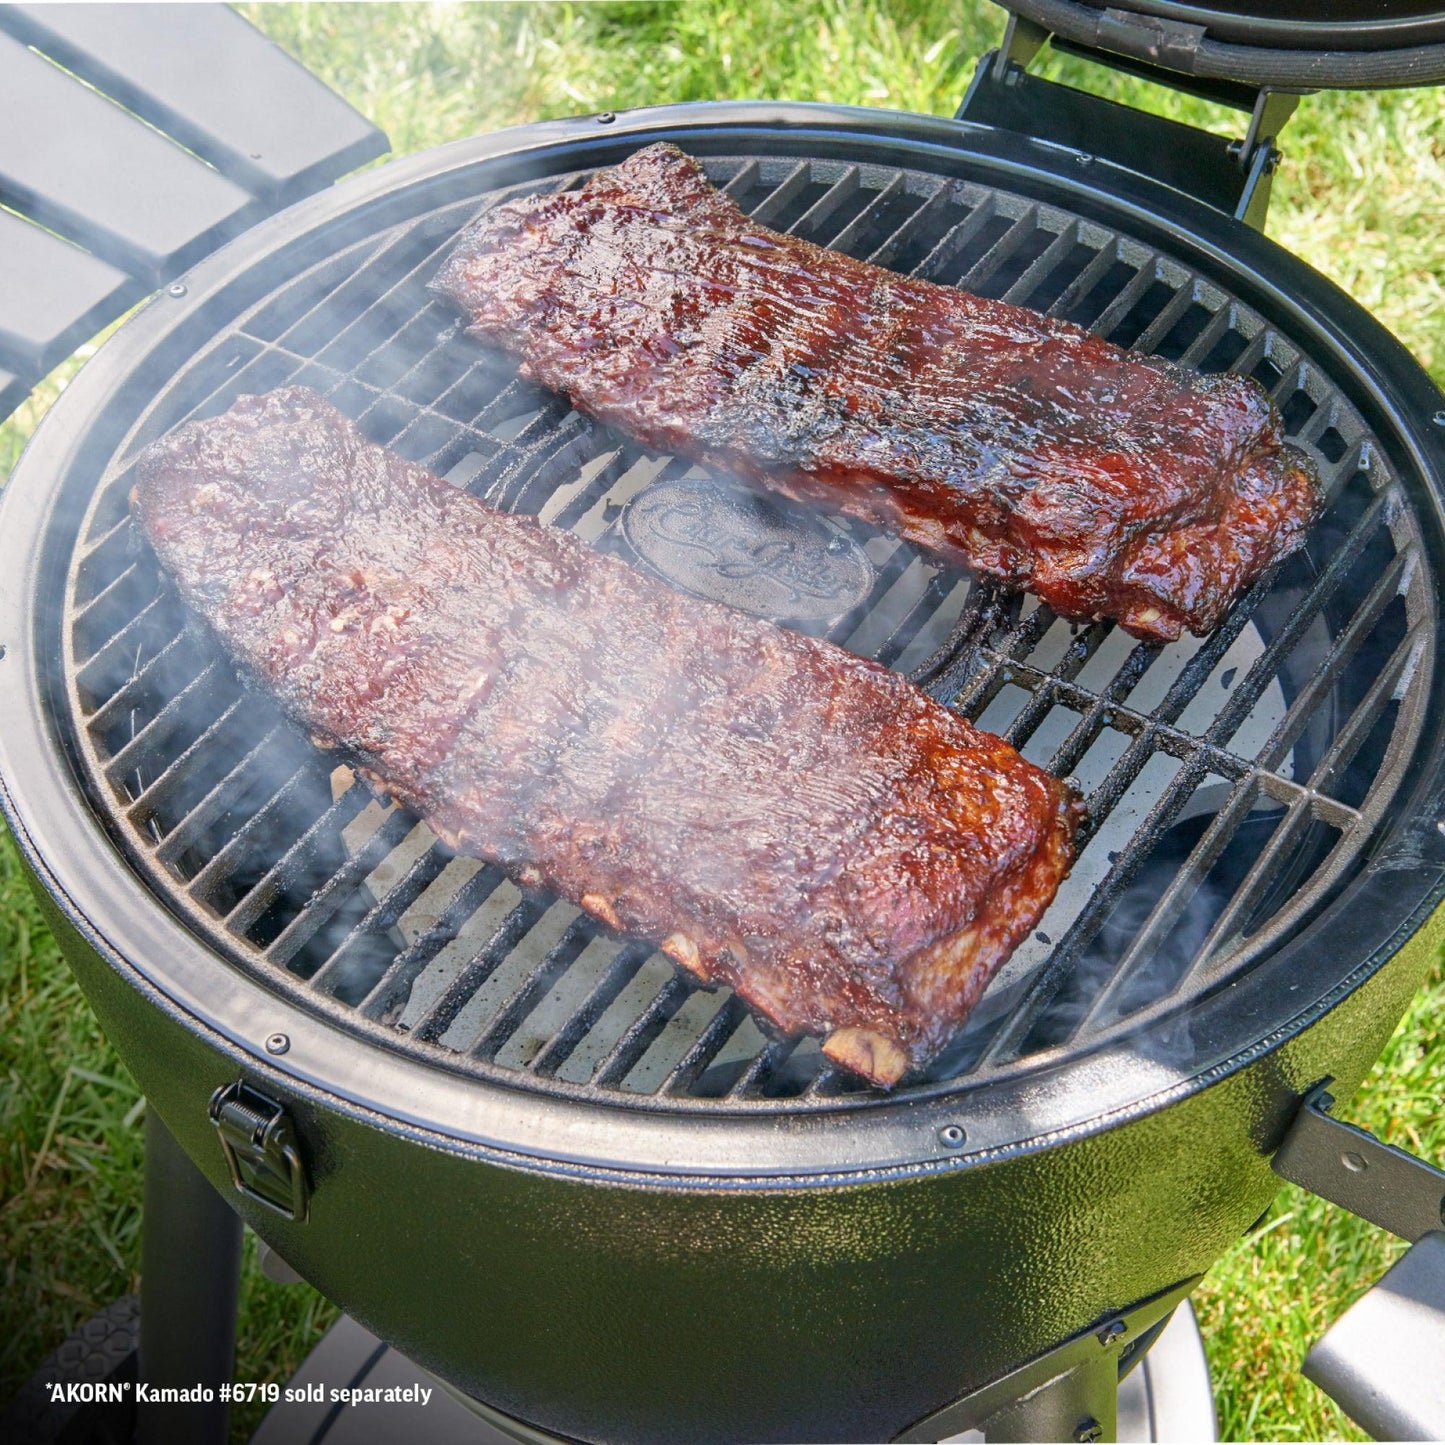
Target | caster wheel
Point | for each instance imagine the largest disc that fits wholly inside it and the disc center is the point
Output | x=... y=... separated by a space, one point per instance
x=101 y=1352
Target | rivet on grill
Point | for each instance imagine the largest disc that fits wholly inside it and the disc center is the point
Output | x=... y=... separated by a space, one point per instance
x=1355 y=1163
x=1084 y=160
x=1088 y=1430
x=1439 y=418
x=278 y=1043
x=1111 y=1332
x=606 y=118
x=2 y=659
x=951 y=1136
x=176 y=288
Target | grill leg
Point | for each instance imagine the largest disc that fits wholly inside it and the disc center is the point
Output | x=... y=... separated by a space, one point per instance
x=190 y=1275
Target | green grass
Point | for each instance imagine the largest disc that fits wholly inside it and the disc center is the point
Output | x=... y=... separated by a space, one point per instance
x=1359 y=196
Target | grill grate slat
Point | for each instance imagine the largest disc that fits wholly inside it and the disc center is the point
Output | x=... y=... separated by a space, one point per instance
x=300 y=882
x=143 y=745
x=640 y=1034
x=705 y=1047
x=390 y=993
x=1175 y=900
x=323 y=831
x=1045 y=267
x=620 y=972
x=335 y=971
x=220 y=798
x=323 y=900
x=524 y=998
x=444 y=1011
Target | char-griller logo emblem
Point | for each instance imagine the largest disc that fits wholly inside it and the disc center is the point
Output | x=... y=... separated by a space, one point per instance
x=767 y=557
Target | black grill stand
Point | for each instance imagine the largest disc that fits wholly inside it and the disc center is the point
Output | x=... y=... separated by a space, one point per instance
x=190 y=1272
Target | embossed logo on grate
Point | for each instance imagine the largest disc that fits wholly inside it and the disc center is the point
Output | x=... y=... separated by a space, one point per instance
x=719 y=540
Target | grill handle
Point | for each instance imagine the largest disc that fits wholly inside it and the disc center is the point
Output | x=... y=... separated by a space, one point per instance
x=1380 y=1361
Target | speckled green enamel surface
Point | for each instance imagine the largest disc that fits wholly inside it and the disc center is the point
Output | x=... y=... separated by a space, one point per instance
x=604 y=1311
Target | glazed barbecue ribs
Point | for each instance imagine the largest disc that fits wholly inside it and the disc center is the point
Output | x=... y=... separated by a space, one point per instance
x=780 y=816
x=1111 y=484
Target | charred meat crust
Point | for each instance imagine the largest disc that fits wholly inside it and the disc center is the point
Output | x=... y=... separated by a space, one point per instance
x=780 y=816
x=1112 y=485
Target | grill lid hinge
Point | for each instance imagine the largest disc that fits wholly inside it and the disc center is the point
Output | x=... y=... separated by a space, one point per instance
x=1356 y=1171
x=259 y=1142
x=1232 y=176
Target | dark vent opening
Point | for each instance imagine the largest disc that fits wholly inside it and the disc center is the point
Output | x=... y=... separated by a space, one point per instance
x=1013 y=268
x=975 y=249
x=1297 y=411
x=1185 y=332
x=1060 y=277
x=1142 y=315
x=1332 y=445
x=1104 y=292
x=1269 y=376
x=1225 y=352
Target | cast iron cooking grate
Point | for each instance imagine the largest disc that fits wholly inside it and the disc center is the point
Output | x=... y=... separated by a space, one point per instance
x=1231 y=783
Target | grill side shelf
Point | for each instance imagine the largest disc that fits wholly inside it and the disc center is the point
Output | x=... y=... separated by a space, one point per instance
x=104 y=111
x=1381 y=1359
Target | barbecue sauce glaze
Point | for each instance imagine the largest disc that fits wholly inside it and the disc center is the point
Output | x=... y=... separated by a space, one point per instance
x=1111 y=484
x=779 y=815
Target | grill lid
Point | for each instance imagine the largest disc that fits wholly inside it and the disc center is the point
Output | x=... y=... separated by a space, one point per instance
x=1286 y=45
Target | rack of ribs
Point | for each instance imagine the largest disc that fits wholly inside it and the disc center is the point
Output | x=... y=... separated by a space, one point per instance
x=1111 y=484
x=780 y=816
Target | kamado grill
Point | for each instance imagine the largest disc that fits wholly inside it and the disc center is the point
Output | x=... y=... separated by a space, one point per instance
x=529 y=1152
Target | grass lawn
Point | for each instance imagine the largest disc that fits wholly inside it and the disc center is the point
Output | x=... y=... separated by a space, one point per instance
x=1359 y=196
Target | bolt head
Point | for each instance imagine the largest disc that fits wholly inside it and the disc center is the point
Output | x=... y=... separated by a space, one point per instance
x=1439 y=417
x=176 y=288
x=1088 y=1430
x=278 y=1043
x=952 y=1136
x=606 y=118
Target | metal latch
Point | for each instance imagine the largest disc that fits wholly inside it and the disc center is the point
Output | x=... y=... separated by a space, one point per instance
x=1353 y=1169
x=259 y=1143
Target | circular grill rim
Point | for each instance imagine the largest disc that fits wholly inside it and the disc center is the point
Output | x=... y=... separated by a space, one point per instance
x=908 y=1139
